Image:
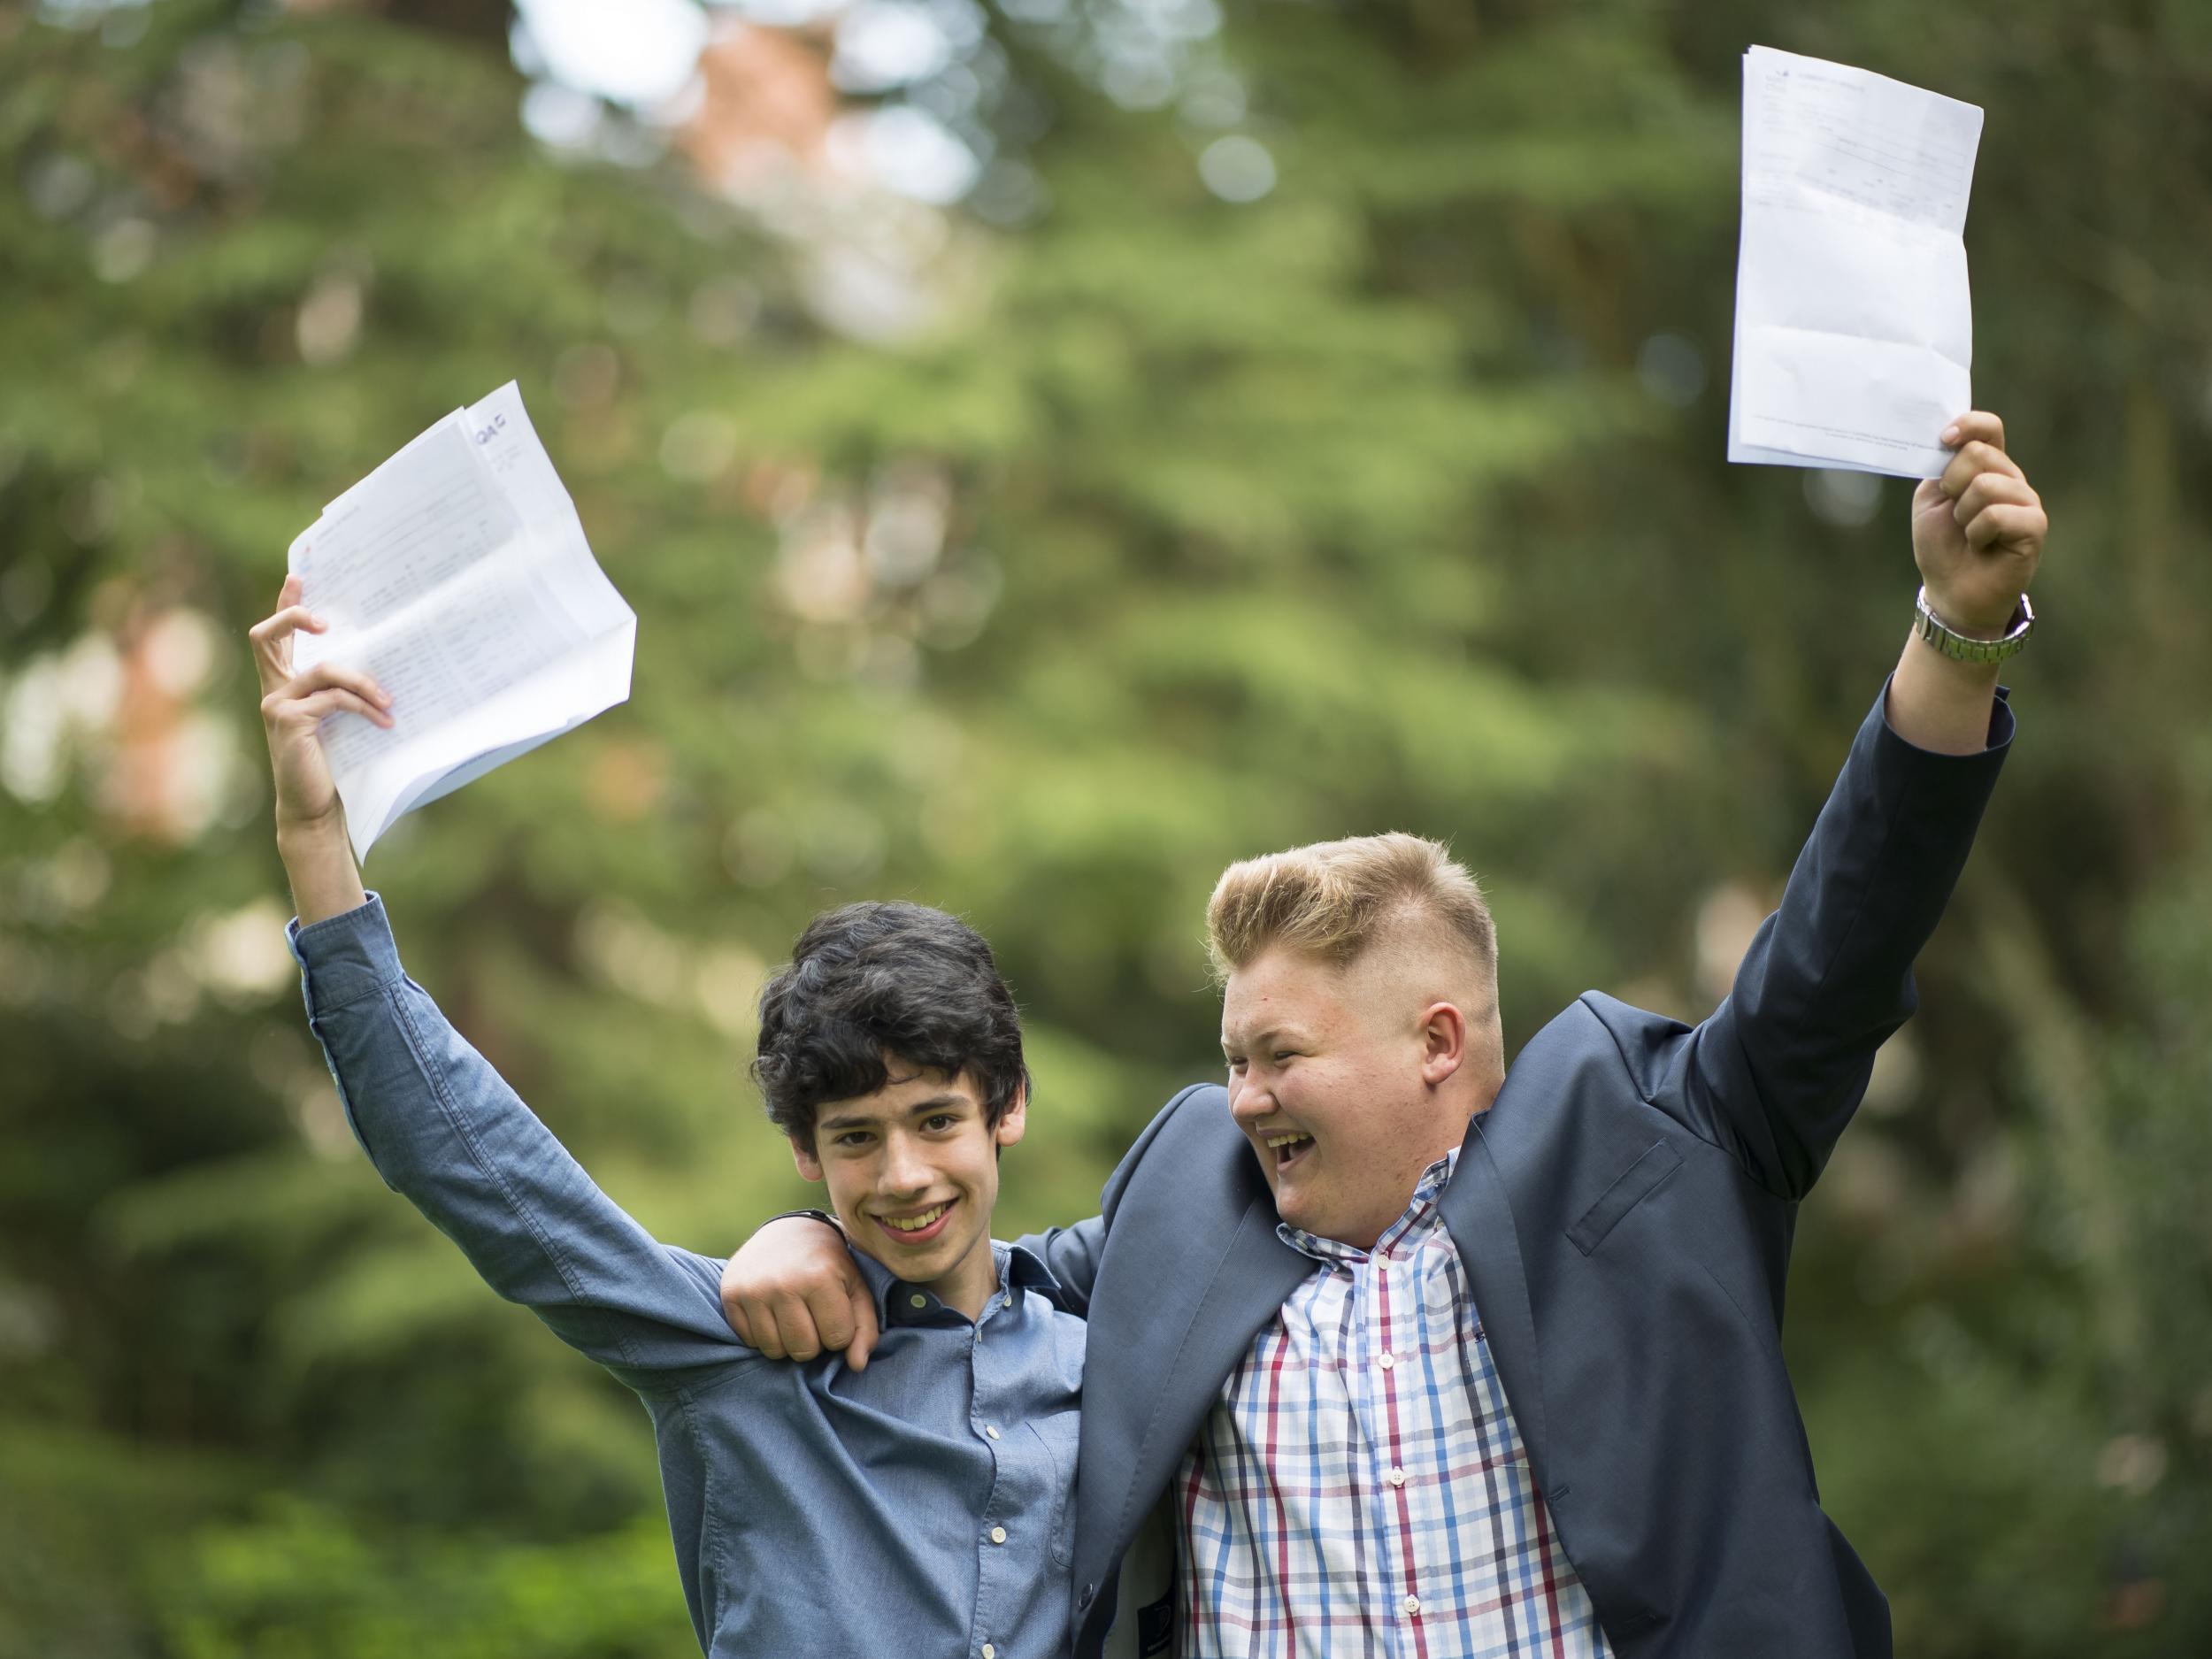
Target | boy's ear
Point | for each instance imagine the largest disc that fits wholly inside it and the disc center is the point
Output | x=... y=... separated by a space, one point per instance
x=809 y=1166
x=1013 y=1123
x=1445 y=1042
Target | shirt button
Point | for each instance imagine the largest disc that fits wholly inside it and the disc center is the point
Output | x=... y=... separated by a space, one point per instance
x=991 y=1429
x=990 y=1652
x=1397 y=1476
x=998 y=1535
x=1413 y=1606
x=1387 y=1361
x=918 y=1300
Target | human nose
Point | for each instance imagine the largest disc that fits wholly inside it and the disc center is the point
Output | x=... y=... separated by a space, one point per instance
x=1250 y=1100
x=904 y=1168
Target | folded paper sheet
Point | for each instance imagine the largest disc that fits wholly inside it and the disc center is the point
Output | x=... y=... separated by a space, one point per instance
x=1855 y=334
x=458 y=575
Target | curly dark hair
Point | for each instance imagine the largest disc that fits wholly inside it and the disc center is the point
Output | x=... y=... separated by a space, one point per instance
x=868 y=984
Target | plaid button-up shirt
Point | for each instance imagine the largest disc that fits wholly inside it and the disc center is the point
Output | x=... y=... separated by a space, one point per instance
x=1359 y=1487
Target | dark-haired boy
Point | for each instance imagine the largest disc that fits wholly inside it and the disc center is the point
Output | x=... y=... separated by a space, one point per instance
x=910 y=1185
x=920 y=1506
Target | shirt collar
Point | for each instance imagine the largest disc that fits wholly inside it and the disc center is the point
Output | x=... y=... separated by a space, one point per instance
x=1418 y=1221
x=1018 y=1269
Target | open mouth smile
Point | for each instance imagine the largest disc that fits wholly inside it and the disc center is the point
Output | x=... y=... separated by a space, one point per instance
x=920 y=1227
x=1288 y=1147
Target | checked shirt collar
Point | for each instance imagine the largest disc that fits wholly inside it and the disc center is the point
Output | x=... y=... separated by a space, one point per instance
x=1405 y=1234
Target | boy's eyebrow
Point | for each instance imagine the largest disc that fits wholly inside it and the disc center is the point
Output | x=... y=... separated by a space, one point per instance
x=1230 y=1039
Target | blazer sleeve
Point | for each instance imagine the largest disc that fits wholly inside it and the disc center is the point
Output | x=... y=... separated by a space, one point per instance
x=1774 y=1074
x=444 y=1130
x=1073 y=1254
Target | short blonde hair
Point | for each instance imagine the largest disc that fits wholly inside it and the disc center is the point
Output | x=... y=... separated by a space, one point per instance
x=1334 y=900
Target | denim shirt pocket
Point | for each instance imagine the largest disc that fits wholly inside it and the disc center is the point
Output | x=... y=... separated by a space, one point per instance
x=1056 y=1434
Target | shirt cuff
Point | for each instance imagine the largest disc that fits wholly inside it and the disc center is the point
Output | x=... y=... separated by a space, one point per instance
x=345 y=957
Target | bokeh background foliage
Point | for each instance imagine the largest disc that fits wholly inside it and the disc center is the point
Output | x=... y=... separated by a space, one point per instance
x=1264 y=422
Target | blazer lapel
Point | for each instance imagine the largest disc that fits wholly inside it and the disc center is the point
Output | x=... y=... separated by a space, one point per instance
x=1480 y=1221
x=1255 y=1274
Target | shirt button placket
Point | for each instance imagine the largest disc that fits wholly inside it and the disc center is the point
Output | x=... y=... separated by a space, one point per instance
x=995 y=1569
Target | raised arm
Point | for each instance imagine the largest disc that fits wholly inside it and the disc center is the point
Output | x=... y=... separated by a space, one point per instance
x=439 y=1123
x=1777 y=1069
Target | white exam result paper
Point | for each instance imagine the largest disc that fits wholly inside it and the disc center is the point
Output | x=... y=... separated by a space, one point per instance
x=458 y=575
x=1855 y=332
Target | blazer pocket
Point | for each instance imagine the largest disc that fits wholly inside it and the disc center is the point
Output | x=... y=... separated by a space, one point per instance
x=1634 y=1185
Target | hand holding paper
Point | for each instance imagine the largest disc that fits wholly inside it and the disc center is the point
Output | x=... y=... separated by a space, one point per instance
x=295 y=704
x=1855 y=334
x=455 y=577
x=1978 y=530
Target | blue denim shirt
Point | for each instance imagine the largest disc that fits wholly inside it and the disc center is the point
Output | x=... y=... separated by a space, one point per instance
x=922 y=1506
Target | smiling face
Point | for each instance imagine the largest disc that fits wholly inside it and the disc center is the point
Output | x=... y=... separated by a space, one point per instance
x=912 y=1173
x=1350 y=1082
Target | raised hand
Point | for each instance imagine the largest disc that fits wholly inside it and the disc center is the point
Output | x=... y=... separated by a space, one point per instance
x=1977 y=536
x=310 y=820
x=294 y=706
x=1977 y=531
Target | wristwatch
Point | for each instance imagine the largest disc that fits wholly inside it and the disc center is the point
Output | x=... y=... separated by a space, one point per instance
x=1930 y=628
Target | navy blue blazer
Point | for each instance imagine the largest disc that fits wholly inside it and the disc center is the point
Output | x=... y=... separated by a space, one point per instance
x=1624 y=1212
